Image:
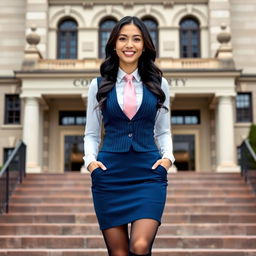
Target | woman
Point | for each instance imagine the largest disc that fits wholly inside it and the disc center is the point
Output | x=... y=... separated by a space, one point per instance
x=129 y=171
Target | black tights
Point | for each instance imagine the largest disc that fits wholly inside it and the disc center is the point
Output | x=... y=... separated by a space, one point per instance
x=142 y=235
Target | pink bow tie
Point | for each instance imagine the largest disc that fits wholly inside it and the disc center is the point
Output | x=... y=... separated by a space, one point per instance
x=130 y=103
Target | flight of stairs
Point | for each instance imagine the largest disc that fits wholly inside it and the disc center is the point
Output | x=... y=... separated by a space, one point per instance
x=206 y=214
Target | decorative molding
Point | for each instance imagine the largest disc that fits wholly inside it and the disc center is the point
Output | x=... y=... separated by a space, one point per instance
x=86 y=4
x=109 y=9
x=247 y=78
x=148 y=9
x=102 y=13
x=189 y=8
x=196 y=12
x=56 y=17
x=128 y=4
x=168 y=4
x=9 y=80
x=154 y=13
x=67 y=9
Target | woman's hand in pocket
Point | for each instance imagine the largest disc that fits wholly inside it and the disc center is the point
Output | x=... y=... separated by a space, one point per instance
x=165 y=162
x=94 y=165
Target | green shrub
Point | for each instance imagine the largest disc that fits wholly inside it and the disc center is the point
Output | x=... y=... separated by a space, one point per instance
x=252 y=136
x=252 y=140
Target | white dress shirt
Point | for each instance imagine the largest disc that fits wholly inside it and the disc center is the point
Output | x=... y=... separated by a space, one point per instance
x=92 y=134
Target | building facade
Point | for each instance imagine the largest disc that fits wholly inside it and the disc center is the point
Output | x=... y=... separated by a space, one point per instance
x=51 y=49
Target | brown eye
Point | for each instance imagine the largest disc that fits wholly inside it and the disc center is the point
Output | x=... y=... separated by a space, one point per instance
x=121 y=38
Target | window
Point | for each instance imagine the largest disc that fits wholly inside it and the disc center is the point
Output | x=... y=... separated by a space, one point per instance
x=189 y=38
x=106 y=27
x=7 y=153
x=152 y=27
x=12 y=109
x=185 y=117
x=244 y=107
x=67 y=39
x=72 y=118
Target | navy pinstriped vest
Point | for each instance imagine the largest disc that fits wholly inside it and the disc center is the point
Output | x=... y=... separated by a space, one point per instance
x=121 y=133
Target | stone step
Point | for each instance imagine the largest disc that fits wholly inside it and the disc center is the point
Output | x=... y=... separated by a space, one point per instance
x=170 y=179
x=96 y=241
x=210 y=214
x=210 y=182
x=171 y=208
x=177 y=199
x=176 y=174
x=199 y=186
x=103 y=252
x=90 y=217
x=171 y=191
x=190 y=184
x=172 y=176
x=184 y=229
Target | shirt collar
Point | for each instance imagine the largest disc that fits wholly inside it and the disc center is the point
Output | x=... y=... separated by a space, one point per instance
x=121 y=74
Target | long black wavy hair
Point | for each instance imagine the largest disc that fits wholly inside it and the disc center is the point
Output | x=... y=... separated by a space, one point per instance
x=150 y=74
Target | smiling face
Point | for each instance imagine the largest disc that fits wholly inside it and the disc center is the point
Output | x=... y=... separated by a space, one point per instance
x=129 y=47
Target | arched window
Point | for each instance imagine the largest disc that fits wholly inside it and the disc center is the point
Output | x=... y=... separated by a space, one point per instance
x=189 y=38
x=152 y=27
x=67 y=39
x=106 y=27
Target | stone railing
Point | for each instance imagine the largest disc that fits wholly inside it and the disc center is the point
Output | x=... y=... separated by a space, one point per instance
x=94 y=64
x=86 y=64
x=168 y=63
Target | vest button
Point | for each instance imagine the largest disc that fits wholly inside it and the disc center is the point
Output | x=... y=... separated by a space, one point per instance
x=130 y=134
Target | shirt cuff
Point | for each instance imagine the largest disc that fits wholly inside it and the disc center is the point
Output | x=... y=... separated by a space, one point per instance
x=169 y=156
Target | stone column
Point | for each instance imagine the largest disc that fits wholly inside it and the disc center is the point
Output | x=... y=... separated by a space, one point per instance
x=225 y=144
x=31 y=133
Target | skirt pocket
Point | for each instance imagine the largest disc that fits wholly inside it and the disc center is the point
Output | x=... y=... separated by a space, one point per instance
x=161 y=171
x=96 y=171
x=162 y=168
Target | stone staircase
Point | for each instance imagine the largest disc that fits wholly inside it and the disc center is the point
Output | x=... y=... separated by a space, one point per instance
x=206 y=214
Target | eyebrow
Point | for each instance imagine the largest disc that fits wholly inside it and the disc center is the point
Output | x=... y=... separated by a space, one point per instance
x=127 y=36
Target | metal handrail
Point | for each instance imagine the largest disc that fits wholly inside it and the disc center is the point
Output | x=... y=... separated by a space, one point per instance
x=12 y=173
x=253 y=154
x=248 y=157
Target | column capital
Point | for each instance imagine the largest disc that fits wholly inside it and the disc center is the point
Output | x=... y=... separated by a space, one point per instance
x=31 y=99
x=23 y=95
x=36 y=99
x=227 y=95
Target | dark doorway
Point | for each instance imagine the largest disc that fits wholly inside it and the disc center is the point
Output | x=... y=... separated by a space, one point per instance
x=184 y=152
x=73 y=152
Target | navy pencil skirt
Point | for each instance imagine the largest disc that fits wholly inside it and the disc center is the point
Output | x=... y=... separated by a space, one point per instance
x=129 y=189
